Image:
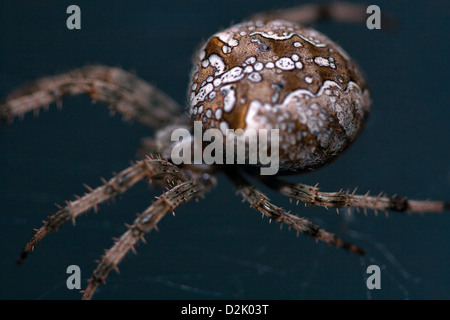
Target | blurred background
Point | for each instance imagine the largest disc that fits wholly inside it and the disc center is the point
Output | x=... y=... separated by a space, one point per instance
x=219 y=248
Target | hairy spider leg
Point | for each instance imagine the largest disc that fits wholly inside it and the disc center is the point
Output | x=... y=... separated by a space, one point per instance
x=124 y=92
x=143 y=224
x=314 y=197
x=260 y=202
x=146 y=169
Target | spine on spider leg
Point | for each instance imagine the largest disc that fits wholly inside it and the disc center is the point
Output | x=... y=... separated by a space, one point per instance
x=150 y=168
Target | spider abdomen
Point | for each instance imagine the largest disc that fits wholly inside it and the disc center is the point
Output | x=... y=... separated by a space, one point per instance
x=279 y=75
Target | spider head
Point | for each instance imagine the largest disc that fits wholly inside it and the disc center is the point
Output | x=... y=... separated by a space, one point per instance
x=278 y=75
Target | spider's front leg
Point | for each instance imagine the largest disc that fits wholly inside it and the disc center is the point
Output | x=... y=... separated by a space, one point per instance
x=122 y=91
x=143 y=224
x=260 y=202
x=313 y=196
x=146 y=169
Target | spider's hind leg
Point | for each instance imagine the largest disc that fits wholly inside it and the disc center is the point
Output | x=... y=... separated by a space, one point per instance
x=122 y=91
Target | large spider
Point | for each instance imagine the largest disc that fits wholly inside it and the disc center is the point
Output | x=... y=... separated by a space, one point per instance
x=284 y=75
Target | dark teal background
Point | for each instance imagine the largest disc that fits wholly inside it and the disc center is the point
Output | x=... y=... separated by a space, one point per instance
x=219 y=248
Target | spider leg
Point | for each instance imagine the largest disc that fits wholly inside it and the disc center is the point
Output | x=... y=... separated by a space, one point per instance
x=260 y=202
x=314 y=12
x=313 y=196
x=150 y=169
x=144 y=223
x=122 y=91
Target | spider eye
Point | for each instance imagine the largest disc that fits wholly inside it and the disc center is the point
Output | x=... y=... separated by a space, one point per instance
x=278 y=75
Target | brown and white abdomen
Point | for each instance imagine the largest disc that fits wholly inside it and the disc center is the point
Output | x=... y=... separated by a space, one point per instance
x=279 y=75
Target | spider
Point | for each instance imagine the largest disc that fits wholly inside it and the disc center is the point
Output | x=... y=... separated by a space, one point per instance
x=266 y=72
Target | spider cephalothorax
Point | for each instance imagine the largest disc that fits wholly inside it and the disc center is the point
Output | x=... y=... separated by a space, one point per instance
x=275 y=74
x=266 y=73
